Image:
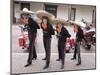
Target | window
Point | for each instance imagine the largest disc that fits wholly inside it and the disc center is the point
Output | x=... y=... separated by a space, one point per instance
x=73 y=13
x=25 y=5
x=51 y=9
x=15 y=2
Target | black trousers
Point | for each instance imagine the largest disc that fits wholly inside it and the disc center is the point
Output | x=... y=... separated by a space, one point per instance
x=47 y=46
x=77 y=52
x=61 y=50
x=32 y=51
x=59 y=53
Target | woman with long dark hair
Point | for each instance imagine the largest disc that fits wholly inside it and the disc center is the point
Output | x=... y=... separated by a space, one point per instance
x=47 y=32
x=79 y=37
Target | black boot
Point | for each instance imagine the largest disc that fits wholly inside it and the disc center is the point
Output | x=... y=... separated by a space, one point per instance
x=73 y=58
x=62 y=66
x=78 y=64
x=62 y=61
x=27 y=65
x=79 y=61
x=46 y=66
x=57 y=59
x=44 y=59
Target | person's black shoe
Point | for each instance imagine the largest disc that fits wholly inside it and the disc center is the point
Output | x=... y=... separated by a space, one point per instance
x=27 y=65
x=58 y=60
x=44 y=59
x=73 y=58
x=62 y=66
x=45 y=67
x=78 y=64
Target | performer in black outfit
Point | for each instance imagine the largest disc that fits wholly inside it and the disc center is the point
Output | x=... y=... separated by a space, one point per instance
x=32 y=27
x=48 y=31
x=62 y=35
x=79 y=37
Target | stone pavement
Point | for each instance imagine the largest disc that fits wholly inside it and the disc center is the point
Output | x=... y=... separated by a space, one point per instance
x=20 y=59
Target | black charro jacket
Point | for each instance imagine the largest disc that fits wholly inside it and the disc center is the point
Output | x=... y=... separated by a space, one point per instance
x=33 y=26
x=48 y=32
x=64 y=34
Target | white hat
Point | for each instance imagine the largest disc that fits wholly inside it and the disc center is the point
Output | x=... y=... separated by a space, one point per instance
x=25 y=10
x=78 y=23
x=41 y=13
x=56 y=20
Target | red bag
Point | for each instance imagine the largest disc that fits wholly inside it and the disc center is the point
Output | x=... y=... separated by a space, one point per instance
x=21 y=41
x=73 y=43
x=26 y=41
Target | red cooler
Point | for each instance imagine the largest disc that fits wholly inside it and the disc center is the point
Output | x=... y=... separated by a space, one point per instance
x=21 y=41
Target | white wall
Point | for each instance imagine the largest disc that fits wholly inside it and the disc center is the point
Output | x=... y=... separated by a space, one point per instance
x=62 y=12
x=83 y=12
